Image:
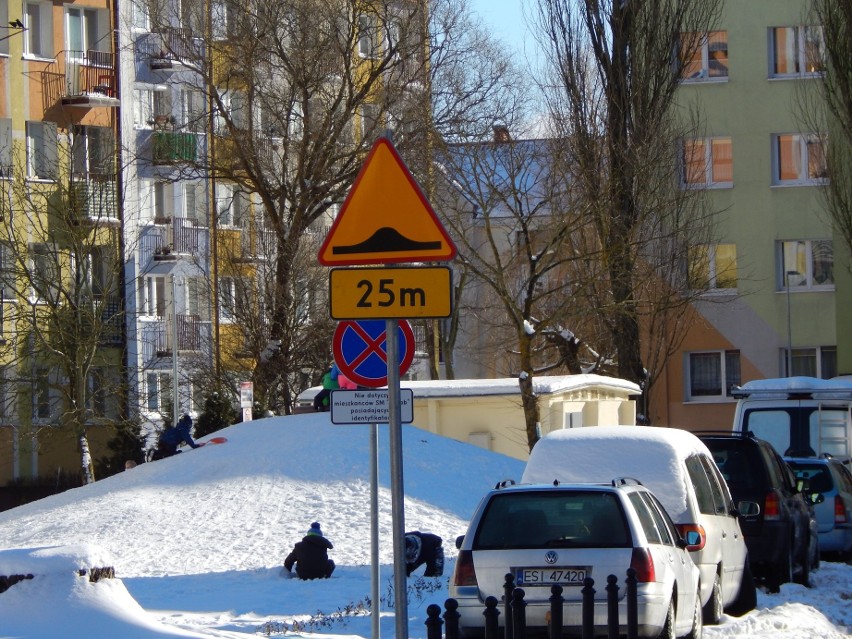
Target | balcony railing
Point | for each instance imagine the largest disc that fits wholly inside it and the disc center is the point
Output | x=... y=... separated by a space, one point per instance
x=158 y=337
x=90 y=78
x=170 y=49
x=173 y=237
x=93 y=199
x=174 y=147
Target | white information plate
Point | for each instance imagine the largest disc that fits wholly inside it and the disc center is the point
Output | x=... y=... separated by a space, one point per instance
x=369 y=406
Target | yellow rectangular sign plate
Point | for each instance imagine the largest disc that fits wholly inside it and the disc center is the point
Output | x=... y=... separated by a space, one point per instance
x=390 y=293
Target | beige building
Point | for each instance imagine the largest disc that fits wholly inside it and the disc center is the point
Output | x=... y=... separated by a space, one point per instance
x=488 y=412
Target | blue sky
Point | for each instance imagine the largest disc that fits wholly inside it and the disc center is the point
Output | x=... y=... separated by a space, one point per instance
x=506 y=17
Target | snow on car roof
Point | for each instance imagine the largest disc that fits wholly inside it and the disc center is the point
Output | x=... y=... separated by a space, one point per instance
x=602 y=453
x=799 y=384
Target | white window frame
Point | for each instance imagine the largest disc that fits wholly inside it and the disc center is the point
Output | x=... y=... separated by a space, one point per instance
x=792 y=277
x=153 y=296
x=38 y=37
x=709 y=152
x=800 y=53
x=4 y=20
x=704 y=74
x=43 y=400
x=801 y=158
x=42 y=150
x=86 y=29
x=156 y=384
x=725 y=393
x=711 y=251
x=817 y=353
x=367 y=40
x=6 y=162
x=227 y=298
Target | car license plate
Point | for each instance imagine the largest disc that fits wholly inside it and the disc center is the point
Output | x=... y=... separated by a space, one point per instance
x=569 y=576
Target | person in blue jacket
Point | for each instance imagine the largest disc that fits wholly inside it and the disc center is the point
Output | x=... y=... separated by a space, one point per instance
x=174 y=437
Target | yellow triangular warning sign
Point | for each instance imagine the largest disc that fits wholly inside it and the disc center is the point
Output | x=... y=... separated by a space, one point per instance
x=385 y=219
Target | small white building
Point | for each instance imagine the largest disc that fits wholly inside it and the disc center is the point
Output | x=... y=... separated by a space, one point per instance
x=488 y=412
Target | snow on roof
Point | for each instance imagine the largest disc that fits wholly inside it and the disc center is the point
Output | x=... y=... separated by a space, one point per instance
x=601 y=453
x=779 y=387
x=506 y=386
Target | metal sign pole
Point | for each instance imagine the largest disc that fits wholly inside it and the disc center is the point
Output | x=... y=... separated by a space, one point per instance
x=375 y=608
x=397 y=487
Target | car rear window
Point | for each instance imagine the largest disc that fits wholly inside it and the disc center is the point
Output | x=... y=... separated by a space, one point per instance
x=552 y=519
x=818 y=476
x=740 y=465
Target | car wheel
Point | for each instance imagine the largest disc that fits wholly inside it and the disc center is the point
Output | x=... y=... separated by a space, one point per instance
x=781 y=573
x=712 y=611
x=668 y=631
x=697 y=631
x=746 y=599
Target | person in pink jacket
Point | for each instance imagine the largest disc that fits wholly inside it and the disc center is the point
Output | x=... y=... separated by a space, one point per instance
x=345 y=382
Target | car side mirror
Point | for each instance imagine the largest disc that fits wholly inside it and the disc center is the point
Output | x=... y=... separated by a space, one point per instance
x=459 y=541
x=748 y=508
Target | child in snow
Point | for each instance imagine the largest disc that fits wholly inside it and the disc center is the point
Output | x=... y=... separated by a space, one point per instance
x=174 y=437
x=424 y=548
x=329 y=383
x=310 y=556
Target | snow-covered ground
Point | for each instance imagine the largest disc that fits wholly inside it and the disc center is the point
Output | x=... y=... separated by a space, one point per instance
x=197 y=542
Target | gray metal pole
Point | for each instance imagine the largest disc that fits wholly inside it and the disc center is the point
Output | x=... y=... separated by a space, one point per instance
x=375 y=608
x=400 y=584
x=789 y=327
x=175 y=390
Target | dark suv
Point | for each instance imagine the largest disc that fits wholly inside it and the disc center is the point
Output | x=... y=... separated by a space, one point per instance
x=778 y=537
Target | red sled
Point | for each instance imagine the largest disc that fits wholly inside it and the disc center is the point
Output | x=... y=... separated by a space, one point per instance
x=214 y=440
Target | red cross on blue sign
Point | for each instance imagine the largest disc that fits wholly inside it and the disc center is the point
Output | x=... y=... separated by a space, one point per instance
x=360 y=350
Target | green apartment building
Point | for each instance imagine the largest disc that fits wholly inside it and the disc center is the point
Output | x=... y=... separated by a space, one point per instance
x=779 y=299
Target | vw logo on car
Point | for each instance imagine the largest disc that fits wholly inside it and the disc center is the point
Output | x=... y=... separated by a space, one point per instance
x=551 y=557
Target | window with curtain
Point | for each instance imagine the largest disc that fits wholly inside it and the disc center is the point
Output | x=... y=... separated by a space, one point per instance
x=707 y=162
x=713 y=267
x=711 y=374
x=704 y=56
x=805 y=264
x=796 y=51
x=798 y=159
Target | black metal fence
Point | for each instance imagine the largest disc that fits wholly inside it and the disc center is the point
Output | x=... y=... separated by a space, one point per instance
x=514 y=611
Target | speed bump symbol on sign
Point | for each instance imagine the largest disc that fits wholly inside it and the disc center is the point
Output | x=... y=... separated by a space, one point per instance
x=385 y=219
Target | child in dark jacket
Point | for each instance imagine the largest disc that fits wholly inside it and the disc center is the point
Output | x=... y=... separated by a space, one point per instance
x=310 y=556
x=424 y=548
x=174 y=437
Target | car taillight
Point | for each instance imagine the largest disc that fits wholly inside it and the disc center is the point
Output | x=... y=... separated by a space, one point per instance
x=642 y=562
x=839 y=511
x=685 y=529
x=464 y=575
x=771 y=508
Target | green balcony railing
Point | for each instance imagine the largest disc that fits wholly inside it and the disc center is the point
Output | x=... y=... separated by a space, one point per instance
x=172 y=147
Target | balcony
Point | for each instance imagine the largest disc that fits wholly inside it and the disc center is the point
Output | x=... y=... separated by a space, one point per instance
x=172 y=237
x=93 y=200
x=170 y=49
x=192 y=336
x=174 y=147
x=90 y=79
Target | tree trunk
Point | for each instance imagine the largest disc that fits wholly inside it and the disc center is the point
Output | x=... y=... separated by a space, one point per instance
x=87 y=468
x=529 y=399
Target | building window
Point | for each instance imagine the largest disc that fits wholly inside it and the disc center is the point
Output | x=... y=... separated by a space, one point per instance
x=8 y=385
x=42 y=160
x=231 y=205
x=796 y=51
x=4 y=20
x=708 y=162
x=158 y=391
x=811 y=362
x=704 y=56
x=5 y=147
x=152 y=296
x=227 y=297
x=194 y=199
x=367 y=46
x=8 y=285
x=805 y=265
x=41 y=395
x=45 y=272
x=798 y=159
x=192 y=110
x=712 y=374
x=86 y=30
x=713 y=267
x=92 y=150
x=38 y=20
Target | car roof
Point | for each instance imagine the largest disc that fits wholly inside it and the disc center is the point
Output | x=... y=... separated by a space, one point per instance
x=651 y=454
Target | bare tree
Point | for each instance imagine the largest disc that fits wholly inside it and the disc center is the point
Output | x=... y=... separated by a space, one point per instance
x=61 y=287
x=612 y=88
x=835 y=17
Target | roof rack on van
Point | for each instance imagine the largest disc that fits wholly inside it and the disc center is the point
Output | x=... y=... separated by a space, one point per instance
x=794 y=388
x=625 y=481
x=504 y=484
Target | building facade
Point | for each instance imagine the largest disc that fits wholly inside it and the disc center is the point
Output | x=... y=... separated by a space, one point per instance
x=776 y=283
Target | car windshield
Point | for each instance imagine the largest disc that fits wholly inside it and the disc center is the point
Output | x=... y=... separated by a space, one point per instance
x=553 y=519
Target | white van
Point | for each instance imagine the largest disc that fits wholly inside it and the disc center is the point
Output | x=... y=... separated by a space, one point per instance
x=799 y=416
x=679 y=469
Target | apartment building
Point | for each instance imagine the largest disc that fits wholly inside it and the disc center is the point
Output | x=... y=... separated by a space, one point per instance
x=60 y=215
x=777 y=288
